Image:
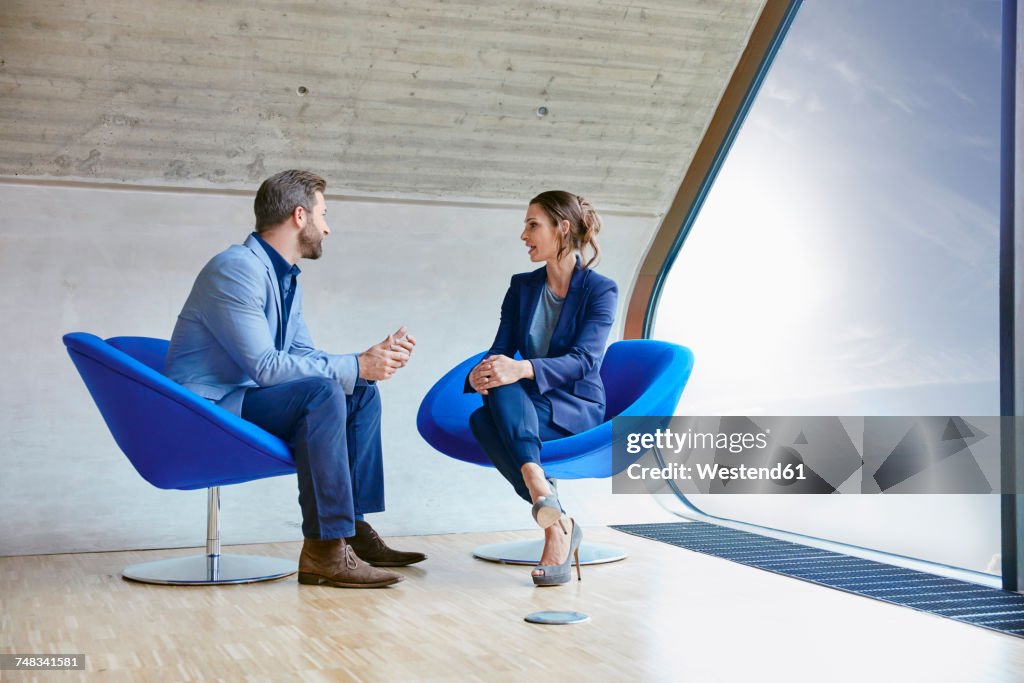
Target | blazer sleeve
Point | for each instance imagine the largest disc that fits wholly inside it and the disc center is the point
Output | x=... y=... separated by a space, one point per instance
x=233 y=310
x=588 y=346
x=504 y=343
x=302 y=345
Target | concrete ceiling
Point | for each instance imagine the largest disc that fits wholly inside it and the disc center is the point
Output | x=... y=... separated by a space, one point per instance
x=411 y=99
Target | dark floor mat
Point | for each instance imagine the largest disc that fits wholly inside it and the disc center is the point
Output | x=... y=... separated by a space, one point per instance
x=967 y=602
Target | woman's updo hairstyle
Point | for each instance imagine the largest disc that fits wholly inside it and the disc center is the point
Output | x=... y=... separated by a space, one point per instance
x=584 y=223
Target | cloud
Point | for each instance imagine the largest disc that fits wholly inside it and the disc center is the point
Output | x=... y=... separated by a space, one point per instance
x=889 y=359
x=966 y=24
x=983 y=142
x=862 y=85
x=773 y=91
x=946 y=218
x=790 y=97
x=787 y=134
x=848 y=73
x=876 y=350
x=944 y=81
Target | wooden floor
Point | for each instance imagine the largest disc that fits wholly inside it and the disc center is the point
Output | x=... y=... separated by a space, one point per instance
x=664 y=614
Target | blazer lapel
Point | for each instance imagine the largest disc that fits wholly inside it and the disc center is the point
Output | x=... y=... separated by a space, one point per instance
x=571 y=304
x=261 y=253
x=528 y=298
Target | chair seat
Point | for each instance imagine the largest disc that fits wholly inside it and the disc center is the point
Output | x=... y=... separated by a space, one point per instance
x=641 y=377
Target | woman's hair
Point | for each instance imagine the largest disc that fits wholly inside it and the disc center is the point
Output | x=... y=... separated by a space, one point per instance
x=584 y=223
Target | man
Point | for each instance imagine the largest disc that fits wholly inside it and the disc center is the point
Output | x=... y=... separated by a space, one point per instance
x=241 y=341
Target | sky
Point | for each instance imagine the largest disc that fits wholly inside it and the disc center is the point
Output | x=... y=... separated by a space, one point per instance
x=845 y=260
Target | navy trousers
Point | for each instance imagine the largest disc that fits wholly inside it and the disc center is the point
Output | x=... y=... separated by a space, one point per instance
x=510 y=426
x=335 y=440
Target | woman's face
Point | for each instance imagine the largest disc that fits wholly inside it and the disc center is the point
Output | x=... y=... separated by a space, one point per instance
x=539 y=234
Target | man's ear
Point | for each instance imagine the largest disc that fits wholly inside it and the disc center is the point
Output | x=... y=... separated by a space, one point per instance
x=299 y=215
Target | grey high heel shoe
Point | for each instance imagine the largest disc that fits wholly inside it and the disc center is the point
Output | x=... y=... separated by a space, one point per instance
x=547 y=510
x=556 y=575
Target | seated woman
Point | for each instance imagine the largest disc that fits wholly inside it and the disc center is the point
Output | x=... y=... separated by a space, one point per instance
x=558 y=318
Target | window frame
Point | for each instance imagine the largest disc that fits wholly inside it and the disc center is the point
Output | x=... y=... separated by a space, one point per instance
x=765 y=42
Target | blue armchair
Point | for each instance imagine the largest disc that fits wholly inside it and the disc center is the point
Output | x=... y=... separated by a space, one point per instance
x=178 y=440
x=641 y=377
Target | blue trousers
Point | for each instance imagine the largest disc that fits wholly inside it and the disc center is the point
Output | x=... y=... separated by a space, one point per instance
x=335 y=440
x=510 y=426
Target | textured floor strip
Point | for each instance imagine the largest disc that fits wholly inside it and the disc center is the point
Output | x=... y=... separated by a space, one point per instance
x=967 y=602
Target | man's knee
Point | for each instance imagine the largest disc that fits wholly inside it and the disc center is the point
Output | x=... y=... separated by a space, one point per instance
x=325 y=392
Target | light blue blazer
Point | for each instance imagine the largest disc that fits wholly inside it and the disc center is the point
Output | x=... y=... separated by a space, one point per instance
x=223 y=341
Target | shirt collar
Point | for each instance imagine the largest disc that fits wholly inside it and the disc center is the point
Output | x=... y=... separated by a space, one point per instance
x=281 y=266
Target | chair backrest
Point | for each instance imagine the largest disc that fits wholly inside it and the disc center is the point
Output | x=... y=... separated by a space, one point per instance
x=174 y=438
x=634 y=367
x=147 y=350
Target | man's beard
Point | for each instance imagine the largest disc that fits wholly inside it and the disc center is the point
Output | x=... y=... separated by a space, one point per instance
x=311 y=242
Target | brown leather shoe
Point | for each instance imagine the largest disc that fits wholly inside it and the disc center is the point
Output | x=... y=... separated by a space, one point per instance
x=334 y=563
x=371 y=547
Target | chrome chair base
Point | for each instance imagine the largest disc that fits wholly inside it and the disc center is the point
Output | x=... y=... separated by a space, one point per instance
x=528 y=552
x=205 y=570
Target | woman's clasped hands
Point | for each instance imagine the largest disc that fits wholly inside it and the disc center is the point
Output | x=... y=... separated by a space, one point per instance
x=496 y=371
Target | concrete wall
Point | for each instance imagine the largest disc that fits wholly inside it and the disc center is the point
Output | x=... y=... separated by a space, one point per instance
x=116 y=261
x=134 y=133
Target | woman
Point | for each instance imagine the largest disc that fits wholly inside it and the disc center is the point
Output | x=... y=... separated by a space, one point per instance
x=558 y=318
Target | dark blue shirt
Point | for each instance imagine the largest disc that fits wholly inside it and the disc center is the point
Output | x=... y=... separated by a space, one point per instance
x=287 y=276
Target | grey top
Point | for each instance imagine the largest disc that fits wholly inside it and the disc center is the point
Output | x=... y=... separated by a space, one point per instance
x=544 y=319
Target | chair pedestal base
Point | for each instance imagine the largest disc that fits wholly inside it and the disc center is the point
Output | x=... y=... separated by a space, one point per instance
x=528 y=552
x=205 y=570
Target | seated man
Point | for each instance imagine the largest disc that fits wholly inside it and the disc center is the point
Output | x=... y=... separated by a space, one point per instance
x=241 y=341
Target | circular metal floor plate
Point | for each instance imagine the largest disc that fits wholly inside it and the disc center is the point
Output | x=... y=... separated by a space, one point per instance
x=558 y=618
x=528 y=552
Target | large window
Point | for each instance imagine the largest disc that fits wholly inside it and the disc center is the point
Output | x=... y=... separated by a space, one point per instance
x=845 y=259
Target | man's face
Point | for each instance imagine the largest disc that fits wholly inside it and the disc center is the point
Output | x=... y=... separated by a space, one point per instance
x=311 y=237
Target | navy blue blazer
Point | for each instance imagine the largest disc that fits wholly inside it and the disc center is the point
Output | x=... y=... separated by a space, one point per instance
x=570 y=375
